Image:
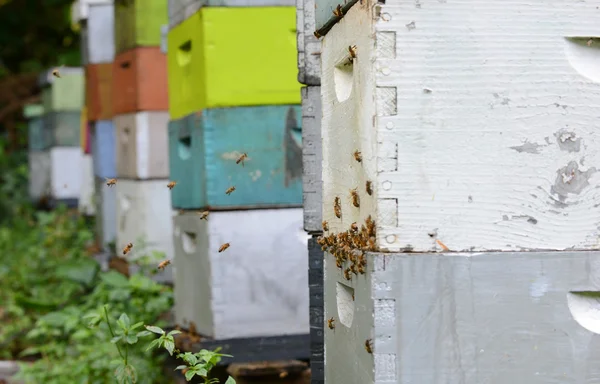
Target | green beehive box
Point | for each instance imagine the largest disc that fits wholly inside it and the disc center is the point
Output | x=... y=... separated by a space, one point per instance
x=64 y=93
x=138 y=23
x=33 y=110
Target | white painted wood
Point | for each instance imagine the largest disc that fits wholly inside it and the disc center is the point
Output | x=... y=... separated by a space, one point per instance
x=476 y=123
x=144 y=218
x=142 y=145
x=100 y=33
x=39 y=174
x=470 y=318
x=86 y=197
x=66 y=173
x=106 y=213
x=309 y=47
x=312 y=185
x=80 y=9
x=257 y=287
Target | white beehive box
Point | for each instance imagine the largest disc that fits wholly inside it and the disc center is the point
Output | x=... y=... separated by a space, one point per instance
x=309 y=47
x=106 y=213
x=39 y=174
x=66 y=173
x=97 y=30
x=142 y=145
x=476 y=122
x=144 y=218
x=483 y=318
x=312 y=159
x=256 y=287
x=86 y=198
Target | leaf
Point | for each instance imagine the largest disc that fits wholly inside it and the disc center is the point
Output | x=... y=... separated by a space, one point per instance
x=131 y=339
x=230 y=380
x=81 y=271
x=154 y=329
x=180 y=367
x=191 y=359
x=153 y=344
x=169 y=346
x=114 y=279
x=124 y=322
x=143 y=333
x=116 y=339
x=189 y=374
x=174 y=332
x=136 y=325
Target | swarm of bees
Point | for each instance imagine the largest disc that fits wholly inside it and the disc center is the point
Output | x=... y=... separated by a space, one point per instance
x=223 y=247
x=127 y=248
x=331 y=323
x=350 y=247
x=171 y=184
x=111 y=182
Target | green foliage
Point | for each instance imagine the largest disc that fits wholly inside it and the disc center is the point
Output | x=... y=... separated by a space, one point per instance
x=13 y=183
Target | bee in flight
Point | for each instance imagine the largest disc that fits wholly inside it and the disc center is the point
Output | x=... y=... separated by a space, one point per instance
x=163 y=264
x=241 y=159
x=171 y=184
x=111 y=182
x=204 y=215
x=223 y=247
x=229 y=190
x=127 y=248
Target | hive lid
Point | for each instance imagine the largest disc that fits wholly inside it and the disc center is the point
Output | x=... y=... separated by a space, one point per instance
x=46 y=78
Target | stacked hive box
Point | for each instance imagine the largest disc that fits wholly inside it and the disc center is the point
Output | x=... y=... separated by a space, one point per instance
x=140 y=108
x=96 y=18
x=233 y=92
x=309 y=74
x=62 y=99
x=38 y=156
x=476 y=122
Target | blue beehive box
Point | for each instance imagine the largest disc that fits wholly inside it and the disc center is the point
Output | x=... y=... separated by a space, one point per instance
x=103 y=145
x=204 y=147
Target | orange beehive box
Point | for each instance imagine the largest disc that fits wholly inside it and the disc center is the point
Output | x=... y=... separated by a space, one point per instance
x=98 y=91
x=140 y=81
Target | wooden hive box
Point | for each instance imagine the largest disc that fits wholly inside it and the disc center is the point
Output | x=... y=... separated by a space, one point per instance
x=270 y=294
x=98 y=91
x=139 y=81
x=204 y=148
x=137 y=23
x=65 y=95
x=103 y=144
x=216 y=58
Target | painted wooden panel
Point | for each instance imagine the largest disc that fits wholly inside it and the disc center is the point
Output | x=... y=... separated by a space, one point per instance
x=142 y=145
x=316 y=311
x=140 y=81
x=212 y=53
x=144 y=218
x=137 y=25
x=100 y=34
x=270 y=294
x=103 y=143
x=33 y=110
x=478 y=318
x=39 y=174
x=39 y=138
x=106 y=214
x=98 y=91
x=466 y=141
x=180 y=10
x=312 y=158
x=203 y=153
x=309 y=47
x=86 y=196
x=65 y=128
x=65 y=172
x=65 y=93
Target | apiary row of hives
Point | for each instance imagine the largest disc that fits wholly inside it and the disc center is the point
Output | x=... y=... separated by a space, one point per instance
x=190 y=115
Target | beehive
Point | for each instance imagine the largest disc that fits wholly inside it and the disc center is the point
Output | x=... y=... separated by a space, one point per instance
x=137 y=25
x=64 y=95
x=103 y=143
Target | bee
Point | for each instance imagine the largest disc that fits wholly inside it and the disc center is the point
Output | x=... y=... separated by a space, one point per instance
x=56 y=73
x=352 y=51
x=337 y=12
x=353 y=296
x=171 y=184
x=317 y=34
x=283 y=374
x=127 y=248
x=241 y=159
x=204 y=215
x=353 y=269
x=331 y=323
x=223 y=247
x=369 y=188
x=354 y=227
x=337 y=208
x=368 y=346
x=338 y=263
x=325 y=226
x=163 y=264
x=229 y=190
x=111 y=182
x=358 y=156
x=321 y=240
x=347 y=274
x=355 y=198
x=361 y=269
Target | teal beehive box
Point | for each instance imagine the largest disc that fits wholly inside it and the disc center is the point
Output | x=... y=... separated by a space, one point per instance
x=64 y=93
x=204 y=149
x=64 y=128
x=37 y=138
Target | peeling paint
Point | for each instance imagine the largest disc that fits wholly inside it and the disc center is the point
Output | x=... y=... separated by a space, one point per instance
x=570 y=180
x=255 y=175
x=528 y=147
x=568 y=141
